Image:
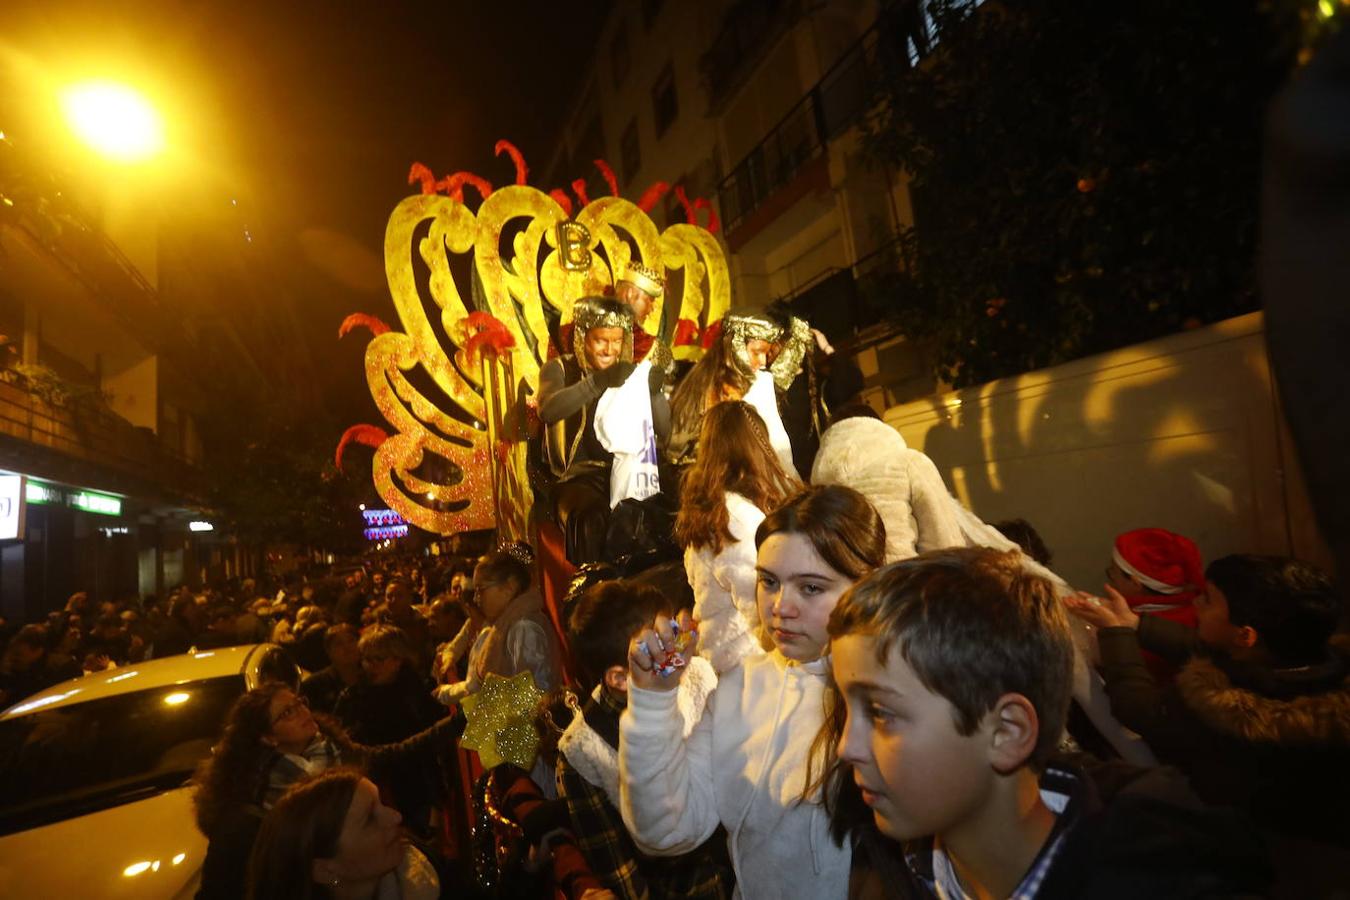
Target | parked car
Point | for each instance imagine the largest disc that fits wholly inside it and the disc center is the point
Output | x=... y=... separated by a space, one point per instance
x=94 y=800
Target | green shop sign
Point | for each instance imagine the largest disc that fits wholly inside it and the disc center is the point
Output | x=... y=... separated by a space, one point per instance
x=103 y=504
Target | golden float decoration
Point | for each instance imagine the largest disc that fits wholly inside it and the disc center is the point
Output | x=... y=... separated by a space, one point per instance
x=455 y=387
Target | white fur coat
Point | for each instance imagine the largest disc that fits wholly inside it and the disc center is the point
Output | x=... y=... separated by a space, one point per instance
x=872 y=458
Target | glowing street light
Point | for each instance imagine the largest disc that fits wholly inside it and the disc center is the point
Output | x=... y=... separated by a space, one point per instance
x=114 y=119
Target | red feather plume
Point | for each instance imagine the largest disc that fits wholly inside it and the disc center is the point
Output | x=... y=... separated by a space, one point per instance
x=489 y=335
x=714 y=225
x=362 y=320
x=453 y=185
x=522 y=171
x=686 y=333
x=712 y=334
x=649 y=199
x=421 y=173
x=562 y=200
x=579 y=188
x=367 y=435
x=608 y=174
x=689 y=215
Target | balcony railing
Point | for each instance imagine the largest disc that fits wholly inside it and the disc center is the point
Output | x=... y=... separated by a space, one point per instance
x=842 y=301
x=894 y=43
x=747 y=30
x=95 y=439
x=34 y=199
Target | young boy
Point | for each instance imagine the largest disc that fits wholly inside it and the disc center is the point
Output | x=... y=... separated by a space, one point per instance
x=1259 y=714
x=954 y=670
x=601 y=626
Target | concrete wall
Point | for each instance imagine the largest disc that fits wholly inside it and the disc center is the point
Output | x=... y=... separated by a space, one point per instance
x=1184 y=433
x=133 y=392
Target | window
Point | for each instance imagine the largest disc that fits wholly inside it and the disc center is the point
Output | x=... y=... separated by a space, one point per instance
x=58 y=762
x=630 y=151
x=618 y=56
x=664 y=102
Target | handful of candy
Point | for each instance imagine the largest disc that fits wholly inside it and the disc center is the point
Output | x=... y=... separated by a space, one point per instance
x=670 y=658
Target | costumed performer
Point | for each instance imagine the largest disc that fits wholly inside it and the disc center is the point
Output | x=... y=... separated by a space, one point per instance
x=637 y=288
x=747 y=361
x=570 y=389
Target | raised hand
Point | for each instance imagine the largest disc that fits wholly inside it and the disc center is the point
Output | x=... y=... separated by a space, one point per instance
x=1111 y=611
x=657 y=655
x=615 y=375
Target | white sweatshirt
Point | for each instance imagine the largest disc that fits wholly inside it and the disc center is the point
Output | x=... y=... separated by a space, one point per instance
x=724 y=589
x=743 y=766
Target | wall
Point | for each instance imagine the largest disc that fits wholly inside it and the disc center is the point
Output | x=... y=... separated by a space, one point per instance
x=133 y=392
x=1183 y=433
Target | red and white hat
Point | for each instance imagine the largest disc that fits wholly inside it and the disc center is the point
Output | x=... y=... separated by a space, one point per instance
x=1161 y=560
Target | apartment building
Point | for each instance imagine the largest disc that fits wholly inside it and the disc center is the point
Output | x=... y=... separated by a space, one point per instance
x=755 y=105
x=100 y=448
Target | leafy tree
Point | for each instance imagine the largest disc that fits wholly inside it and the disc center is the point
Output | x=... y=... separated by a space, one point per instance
x=272 y=477
x=1084 y=175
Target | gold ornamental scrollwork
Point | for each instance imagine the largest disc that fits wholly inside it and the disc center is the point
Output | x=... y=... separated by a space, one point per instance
x=454 y=458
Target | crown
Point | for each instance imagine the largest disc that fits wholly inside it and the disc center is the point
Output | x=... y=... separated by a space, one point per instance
x=647 y=279
x=600 y=312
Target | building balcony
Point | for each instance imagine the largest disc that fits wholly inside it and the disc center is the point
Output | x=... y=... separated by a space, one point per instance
x=68 y=435
x=844 y=302
x=42 y=225
x=779 y=162
x=748 y=30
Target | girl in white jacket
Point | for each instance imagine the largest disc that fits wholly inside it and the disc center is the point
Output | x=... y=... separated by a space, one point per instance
x=744 y=764
x=723 y=498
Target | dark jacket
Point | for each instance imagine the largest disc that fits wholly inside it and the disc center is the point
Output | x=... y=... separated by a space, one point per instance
x=1273 y=742
x=567 y=401
x=173 y=638
x=388 y=714
x=1127 y=833
x=322 y=689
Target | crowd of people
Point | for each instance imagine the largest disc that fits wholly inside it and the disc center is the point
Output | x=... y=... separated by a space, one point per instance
x=853 y=688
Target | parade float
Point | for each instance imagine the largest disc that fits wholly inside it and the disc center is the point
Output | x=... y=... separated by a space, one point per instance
x=481 y=291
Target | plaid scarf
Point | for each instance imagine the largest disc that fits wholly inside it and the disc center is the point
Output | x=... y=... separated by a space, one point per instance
x=288 y=768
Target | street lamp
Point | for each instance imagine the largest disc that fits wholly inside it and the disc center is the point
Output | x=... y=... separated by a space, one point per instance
x=114 y=119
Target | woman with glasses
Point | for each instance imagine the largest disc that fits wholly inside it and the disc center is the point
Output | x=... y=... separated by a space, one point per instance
x=272 y=740
x=509 y=628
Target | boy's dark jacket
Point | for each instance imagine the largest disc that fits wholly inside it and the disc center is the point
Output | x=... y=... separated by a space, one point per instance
x=1133 y=833
x=1273 y=742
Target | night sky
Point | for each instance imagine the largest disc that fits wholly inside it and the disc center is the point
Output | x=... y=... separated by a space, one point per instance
x=313 y=112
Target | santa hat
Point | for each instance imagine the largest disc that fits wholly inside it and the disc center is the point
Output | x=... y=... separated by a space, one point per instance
x=1165 y=562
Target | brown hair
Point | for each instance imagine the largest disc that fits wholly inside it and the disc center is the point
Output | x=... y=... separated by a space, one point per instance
x=843 y=527
x=604 y=620
x=235 y=772
x=341 y=630
x=703 y=386
x=500 y=565
x=973 y=624
x=305 y=825
x=734 y=455
x=388 y=640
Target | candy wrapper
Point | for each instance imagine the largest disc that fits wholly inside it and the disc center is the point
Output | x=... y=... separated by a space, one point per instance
x=669 y=659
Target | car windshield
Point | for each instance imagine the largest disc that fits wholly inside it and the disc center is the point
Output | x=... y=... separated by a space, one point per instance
x=72 y=760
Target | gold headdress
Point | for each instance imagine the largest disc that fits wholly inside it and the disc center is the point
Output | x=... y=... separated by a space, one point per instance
x=740 y=328
x=648 y=280
x=600 y=312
